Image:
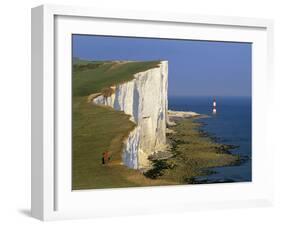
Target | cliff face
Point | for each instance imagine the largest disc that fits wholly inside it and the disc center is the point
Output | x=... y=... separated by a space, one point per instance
x=145 y=99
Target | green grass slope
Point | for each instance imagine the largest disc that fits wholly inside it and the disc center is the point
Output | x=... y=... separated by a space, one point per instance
x=96 y=76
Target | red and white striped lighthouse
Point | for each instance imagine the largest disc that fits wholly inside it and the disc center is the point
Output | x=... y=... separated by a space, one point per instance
x=214 y=106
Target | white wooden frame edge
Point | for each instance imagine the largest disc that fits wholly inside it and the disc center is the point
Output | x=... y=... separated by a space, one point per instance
x=42 y=110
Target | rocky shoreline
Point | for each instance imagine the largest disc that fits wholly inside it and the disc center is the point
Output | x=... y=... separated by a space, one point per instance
x=193 y=152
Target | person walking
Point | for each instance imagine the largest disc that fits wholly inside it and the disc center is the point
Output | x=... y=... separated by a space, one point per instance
x=105 y=157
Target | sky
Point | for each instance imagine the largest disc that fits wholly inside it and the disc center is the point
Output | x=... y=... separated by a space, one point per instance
x=196 y=68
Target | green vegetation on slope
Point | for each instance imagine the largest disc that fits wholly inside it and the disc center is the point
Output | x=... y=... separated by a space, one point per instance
x=95 y=76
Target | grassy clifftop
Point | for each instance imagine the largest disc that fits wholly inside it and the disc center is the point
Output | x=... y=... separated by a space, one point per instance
x=93 y=77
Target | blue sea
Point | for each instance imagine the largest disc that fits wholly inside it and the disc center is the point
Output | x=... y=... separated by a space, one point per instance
x=231 y=125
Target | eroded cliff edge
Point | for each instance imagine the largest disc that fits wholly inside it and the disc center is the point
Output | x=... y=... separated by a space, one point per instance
x=145 y=99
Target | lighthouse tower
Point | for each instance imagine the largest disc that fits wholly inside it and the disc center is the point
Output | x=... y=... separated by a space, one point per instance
x=214 y=106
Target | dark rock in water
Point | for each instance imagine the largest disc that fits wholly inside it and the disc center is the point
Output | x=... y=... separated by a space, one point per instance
x=241 y=160
x=224 y=148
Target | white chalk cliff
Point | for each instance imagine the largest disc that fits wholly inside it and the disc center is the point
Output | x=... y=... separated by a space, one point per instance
x=145 y=99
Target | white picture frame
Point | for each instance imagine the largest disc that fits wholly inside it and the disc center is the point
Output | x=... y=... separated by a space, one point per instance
x=52 y=197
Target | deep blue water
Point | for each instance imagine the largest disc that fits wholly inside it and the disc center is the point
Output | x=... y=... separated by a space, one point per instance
x=231 y=125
